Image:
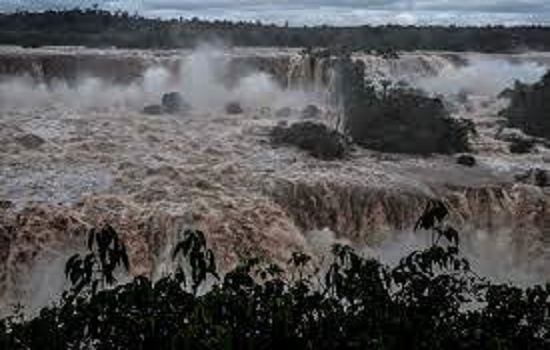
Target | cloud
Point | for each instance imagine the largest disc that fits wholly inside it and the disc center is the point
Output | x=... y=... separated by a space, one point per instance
x=314 y=12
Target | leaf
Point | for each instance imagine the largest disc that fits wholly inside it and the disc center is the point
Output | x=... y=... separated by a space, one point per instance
x=71 y=263
x=177 y=249
x=435 y=211
x=451 y=235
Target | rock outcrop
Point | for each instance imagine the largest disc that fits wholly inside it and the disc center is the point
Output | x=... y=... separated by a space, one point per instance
x=318 y=139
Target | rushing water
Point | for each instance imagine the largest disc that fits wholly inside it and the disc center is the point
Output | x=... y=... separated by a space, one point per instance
x=77 y=151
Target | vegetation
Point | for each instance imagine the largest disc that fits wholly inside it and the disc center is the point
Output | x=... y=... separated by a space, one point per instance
x=396 y=118
x=430 y=300
x=529 y=109
x=98 y=28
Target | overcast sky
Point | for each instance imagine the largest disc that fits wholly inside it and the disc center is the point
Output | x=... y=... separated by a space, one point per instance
x=333 y=12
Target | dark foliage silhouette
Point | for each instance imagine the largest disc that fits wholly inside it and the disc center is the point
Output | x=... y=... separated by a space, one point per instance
x=430 y=300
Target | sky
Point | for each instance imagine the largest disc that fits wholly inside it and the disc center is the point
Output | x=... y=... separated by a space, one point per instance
x=319 y=12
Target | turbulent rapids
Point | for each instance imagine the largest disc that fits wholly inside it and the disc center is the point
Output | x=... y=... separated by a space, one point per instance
x=78 y=151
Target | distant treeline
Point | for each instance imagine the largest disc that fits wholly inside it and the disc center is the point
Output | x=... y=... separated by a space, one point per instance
x=99 y=28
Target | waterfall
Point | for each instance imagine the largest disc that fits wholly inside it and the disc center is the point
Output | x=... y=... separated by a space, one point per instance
x=152 y=176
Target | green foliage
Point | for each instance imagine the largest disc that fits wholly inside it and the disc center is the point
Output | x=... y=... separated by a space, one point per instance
x=430 y=300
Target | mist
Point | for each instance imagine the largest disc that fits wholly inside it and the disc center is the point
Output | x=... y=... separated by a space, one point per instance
x=93 y=133
x=202 y=80
x=482 y=76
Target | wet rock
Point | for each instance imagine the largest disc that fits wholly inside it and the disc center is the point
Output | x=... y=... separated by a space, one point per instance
x=528 y=107
x=466 y=160
x=173 y=102
x=521 y=146
x=318 y=139
x=5 y=204
x=536 y=177
x=284 y=112
x=30 y=141
x=519 y=142
x=397 y=121
x=233 y=108
x=311 y=112
x=152 y=110
x=541 y=178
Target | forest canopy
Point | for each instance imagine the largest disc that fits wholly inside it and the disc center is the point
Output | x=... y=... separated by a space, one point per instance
x=97 y=28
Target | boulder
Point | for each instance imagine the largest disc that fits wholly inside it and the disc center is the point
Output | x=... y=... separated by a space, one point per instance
x=284 y=112
x=316 y=138
x=173 y=102
x=233 y=108
x=310 y=112
x=30 y=141
x=5 y=205
x=466 y=160
x=152 y=110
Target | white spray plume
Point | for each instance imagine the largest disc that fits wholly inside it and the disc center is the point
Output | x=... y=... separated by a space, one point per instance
x=486 y=76
x=492 y=255
x=201 y=79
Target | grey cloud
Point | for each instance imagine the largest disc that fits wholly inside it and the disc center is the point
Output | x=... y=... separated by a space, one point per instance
x=337 y=12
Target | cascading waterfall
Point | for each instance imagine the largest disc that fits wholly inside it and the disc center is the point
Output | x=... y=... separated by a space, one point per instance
x=68 y=166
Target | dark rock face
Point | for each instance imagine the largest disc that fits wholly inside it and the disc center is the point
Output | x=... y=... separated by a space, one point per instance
x=30 y=141
x=173 y=102
x=152 y=110
x=395 y=118
x=530 y=107
x=318 y=139
x=284 y=112
x=406 y=123
x=311 y=112
x=233 y=108
x=466 y=160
